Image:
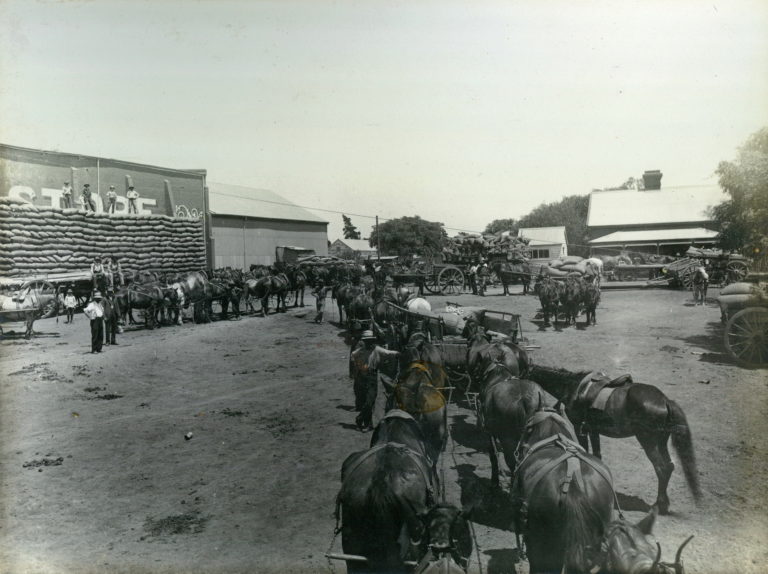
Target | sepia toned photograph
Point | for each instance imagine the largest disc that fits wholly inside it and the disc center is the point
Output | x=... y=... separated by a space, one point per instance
x=383 y=287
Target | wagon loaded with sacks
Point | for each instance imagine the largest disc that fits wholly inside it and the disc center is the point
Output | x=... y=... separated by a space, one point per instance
x=722 y=267
x=432 y=274
x=744 y=311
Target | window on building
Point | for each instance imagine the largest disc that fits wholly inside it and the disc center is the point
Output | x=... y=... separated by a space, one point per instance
x=539 y=253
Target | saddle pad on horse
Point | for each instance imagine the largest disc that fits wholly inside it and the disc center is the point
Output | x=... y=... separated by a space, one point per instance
x=596 y=388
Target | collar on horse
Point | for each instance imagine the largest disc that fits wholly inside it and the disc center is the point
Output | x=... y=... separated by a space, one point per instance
x=421 y=366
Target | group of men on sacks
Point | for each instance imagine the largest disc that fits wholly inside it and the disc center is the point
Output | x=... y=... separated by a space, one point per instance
x=88 y=204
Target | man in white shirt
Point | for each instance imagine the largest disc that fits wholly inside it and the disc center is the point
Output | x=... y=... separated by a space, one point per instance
x=112 y=199
x=70 y=304
x=364 y=368
x=95 y=312
x=66 y=194
x=132 y=196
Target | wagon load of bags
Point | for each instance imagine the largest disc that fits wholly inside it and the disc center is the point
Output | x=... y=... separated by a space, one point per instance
x=48 y=240
x=471 y=246
x=571 y=265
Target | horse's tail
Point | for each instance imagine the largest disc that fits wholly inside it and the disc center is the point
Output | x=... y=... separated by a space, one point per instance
x=582 y=530
x=683 y=444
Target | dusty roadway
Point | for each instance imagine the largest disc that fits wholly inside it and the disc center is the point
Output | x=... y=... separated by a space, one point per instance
x=269 y=406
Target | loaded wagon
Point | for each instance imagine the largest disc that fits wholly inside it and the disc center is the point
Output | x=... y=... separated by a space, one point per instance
x=433 y=275
x=744 y=311
x=722 y=267
x=81 y=283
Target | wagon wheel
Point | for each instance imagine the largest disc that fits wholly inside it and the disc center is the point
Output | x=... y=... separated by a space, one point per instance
x=736 y=271
x=746 y=337
x=432 y=284
x=686 y=278
x=450 y=281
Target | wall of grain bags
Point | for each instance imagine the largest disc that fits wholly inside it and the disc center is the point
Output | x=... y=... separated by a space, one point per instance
x=47 y=240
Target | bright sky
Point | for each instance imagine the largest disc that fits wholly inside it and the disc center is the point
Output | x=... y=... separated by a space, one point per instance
x=460 y=112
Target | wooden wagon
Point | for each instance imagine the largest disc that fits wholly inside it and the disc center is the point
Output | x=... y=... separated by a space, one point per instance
x=81 y=283
x=433 y=275
x=745 y=314
x=723 y=268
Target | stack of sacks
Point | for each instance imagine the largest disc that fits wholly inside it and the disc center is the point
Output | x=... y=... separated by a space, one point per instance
x=565 y=265
x=47 y=240
x=467 y=247
x=742 y=295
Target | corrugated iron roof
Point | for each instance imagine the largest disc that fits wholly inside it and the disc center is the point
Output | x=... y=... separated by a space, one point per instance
x=227 y=199
x=543 y=235
x=357 y=244
x=654 y=235
x=687 y=204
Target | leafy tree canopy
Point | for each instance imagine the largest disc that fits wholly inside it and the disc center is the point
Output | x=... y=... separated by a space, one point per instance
x=571 y=211
x=409 y=236
x=499 y=225
x=350 y=231
x=742 y=219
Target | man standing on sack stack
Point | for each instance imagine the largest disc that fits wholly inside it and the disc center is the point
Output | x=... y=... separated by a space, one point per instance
x=95 y=312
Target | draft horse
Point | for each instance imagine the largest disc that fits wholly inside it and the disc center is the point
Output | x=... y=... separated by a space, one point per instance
x=622 y=409
x=384 y=491
x=562 y=502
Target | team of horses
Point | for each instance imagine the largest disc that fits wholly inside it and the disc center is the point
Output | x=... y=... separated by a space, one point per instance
x=568 y=297
x=540 y=420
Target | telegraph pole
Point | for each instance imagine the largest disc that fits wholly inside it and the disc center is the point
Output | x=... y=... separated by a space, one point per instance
x=378 y=240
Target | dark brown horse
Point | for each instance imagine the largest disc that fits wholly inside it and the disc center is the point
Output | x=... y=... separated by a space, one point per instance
x=415 y=393
x=298 y=283
x=447 y=542
x=384 y=492
x=562 y=497
x=571 y=299
x=510 y=273
x=591 y=299
x=481 y=353
x=625 y=410
x=549 y=296
x=344 y=294
x=506 y=403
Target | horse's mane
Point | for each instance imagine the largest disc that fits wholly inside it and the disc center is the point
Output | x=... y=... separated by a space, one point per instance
x=584 y=529
x=544 y=375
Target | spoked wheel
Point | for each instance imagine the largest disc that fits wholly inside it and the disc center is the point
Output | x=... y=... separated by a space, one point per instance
x=746 y=337
x=432 y=285
x=736 y=271
x=686 y=278
x=450 y=281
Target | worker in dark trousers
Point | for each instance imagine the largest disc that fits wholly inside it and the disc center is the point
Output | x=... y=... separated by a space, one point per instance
x=364 y=366
x=95 y=312
x=320 y=293
x=111 y=317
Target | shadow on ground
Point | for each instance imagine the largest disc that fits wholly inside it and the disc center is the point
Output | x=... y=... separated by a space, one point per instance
x=490 y=505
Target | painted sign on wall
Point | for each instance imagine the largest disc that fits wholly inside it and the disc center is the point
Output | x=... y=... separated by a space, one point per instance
x=38 y=177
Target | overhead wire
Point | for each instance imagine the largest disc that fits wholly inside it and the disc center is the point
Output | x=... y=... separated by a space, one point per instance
x=325 y=210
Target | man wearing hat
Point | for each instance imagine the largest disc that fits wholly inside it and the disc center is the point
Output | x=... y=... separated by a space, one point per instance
x=87 y=199
x=364 y=367
x=320 y=293
x=97 y=272
x=111 y=317
x=70 y=303
x=112 y=198
x=66 y=195
x=132 y=196
x=95 y=312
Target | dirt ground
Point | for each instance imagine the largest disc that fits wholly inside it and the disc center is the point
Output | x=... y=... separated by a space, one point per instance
x=97 y=475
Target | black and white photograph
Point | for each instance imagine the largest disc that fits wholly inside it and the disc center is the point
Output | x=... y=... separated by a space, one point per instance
x=383 y=287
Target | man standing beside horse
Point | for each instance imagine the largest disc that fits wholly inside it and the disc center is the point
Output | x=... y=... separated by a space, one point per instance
x=364 y=368
x=111 y=317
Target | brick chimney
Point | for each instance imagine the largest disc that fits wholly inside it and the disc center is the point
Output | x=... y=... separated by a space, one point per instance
x=652 y=179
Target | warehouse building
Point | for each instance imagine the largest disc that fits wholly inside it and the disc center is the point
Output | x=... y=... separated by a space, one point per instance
x=248 y=224
x=657 y=220
x=545 y=243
